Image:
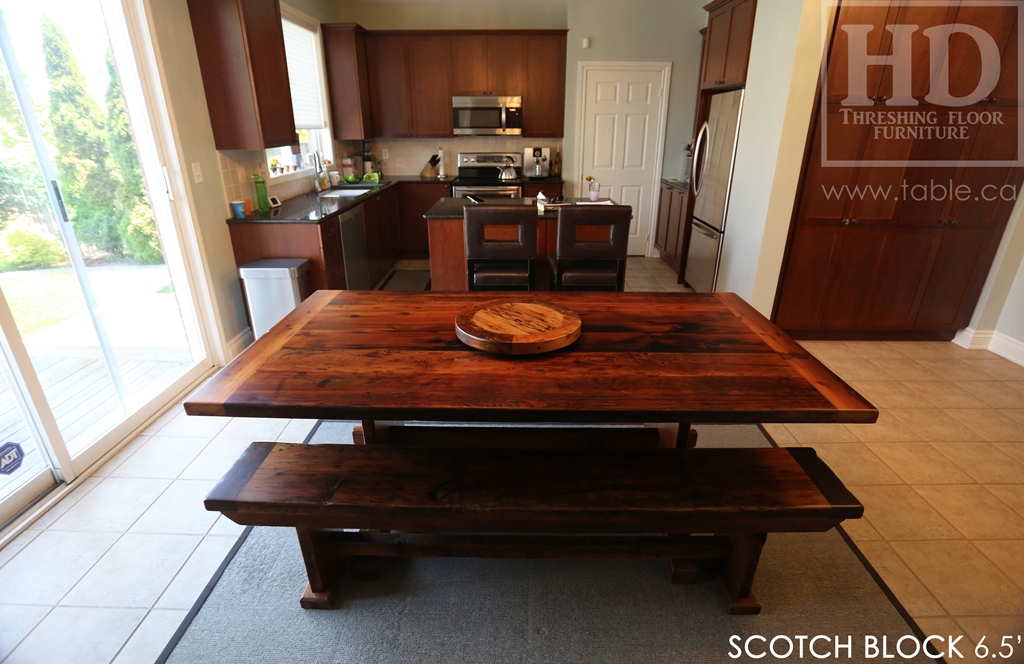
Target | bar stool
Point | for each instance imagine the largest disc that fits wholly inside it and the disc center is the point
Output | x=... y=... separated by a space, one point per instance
x=500 y=264
x=591 y=264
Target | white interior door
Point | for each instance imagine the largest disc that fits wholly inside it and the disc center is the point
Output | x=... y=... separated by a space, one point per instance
x=623 y=120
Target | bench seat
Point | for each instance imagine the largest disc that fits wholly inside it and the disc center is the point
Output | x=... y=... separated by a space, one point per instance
x=471 y=501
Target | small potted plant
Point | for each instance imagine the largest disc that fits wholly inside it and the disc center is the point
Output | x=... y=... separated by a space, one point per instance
x=273 y=165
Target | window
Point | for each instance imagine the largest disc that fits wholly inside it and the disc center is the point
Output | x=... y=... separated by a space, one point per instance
x=306 y=80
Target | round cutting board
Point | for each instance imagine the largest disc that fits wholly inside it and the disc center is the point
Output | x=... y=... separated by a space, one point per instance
x=519 y=327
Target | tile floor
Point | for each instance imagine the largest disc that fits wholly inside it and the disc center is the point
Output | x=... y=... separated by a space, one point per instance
x=108 y=574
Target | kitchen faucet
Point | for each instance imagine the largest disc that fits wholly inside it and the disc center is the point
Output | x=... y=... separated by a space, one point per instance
x=318 y=169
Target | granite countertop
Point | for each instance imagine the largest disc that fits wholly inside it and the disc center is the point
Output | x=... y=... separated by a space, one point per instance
x=677 y=183
x=311 y=209
x=451 y=208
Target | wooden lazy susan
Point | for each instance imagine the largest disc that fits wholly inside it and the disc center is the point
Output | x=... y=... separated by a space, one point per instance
x=518 y=327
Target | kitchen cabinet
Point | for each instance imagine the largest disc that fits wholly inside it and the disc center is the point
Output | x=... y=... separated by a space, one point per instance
x=348 y=86
x=415 y=198
x=319 y=242
x=240 y=46
x=381 y=226
x=668 y=238
x=550 y=189
x=906 y=257
x=430 y=86
x=544 y=89
x=727 y=44
x=388 y=73
x=487 y=64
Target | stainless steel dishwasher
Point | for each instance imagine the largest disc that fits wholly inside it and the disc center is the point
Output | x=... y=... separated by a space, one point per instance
x=353 y=250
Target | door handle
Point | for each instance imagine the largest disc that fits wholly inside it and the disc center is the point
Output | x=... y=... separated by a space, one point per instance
x=701 y=137
x=707 y=233
x=60 y=201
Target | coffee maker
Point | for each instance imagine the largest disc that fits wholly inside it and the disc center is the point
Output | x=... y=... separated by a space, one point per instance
x=537 y=162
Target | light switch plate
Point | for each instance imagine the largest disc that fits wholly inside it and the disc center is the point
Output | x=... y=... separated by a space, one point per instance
x=197 y=172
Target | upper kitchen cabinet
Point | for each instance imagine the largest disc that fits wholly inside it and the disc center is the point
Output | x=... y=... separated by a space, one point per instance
x=430 y=84
x=409 y=84
x=487 y=64
x=348 y=85
x=727 y=46
x=240 y=45
x=544 y=89
x=388 y=72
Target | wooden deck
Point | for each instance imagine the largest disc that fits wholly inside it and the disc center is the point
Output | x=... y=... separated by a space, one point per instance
x=83 y=400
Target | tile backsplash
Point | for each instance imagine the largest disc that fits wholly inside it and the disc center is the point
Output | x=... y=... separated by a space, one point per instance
x=408 y=156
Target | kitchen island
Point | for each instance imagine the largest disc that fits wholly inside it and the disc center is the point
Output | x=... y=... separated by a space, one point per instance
x=448 y=241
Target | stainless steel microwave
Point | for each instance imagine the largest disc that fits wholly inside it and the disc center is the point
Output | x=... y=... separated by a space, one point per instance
x=487 y=116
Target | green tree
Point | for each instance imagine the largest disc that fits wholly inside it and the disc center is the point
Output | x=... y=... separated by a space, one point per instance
x=21 y=188
x=83 y=160
x=137 y=228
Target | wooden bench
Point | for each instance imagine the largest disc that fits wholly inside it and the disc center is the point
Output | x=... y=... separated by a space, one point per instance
x=534 y=503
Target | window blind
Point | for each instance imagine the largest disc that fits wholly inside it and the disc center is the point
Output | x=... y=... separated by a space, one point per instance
x=304 y=76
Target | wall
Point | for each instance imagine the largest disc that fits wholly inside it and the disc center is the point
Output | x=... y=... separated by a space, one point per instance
x=453 y=14
x=777 y=107
x=183 y=86
x=638 y=31
x=1009 y=339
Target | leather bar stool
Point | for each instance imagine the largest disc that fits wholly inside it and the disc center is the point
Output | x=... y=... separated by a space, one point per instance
x=584 y=264
x=500 y=264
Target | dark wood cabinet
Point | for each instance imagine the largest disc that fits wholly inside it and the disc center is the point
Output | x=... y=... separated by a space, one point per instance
x=247 y=88
x=544 y=89
x=727 y=44
x=320 y=243
x=897 y=242
x=381 y=226
x=487 y=64
x=430 y=87
x=387 y=68
x=400 y=83
x=668 y=238
x=550 y=189
x=348 y=87
x=415 y=198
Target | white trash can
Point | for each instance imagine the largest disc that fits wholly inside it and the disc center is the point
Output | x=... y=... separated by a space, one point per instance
x=273 y=288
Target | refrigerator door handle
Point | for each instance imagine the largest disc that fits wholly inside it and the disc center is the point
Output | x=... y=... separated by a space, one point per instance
x=705 y=231
x=701 y=137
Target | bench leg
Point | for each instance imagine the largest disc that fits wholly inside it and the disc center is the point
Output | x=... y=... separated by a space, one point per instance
x=321 y=569
x=738 y=572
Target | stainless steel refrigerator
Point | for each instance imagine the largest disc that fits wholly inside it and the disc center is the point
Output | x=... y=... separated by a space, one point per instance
x=713 y=154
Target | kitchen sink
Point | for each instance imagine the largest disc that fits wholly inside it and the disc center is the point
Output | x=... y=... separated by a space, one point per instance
x=345 y=193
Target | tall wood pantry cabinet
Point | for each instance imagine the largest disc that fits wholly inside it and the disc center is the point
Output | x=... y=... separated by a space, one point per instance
x=894 y=230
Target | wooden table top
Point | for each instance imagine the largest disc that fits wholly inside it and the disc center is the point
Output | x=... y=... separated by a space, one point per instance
x=642 y=357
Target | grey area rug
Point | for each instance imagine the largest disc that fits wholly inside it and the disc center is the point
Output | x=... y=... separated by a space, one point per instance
x=408 y=280
x=463 y=610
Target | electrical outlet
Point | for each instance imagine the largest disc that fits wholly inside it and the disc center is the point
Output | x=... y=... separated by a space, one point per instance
x=197 y=172
x=384 y=154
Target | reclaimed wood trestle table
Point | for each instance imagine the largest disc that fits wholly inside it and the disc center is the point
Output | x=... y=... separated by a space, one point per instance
x=661 y=359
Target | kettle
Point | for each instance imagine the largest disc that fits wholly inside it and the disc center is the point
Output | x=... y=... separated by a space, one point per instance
x=508 y=171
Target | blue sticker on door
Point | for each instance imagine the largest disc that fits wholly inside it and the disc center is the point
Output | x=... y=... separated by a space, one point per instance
x=11 y=457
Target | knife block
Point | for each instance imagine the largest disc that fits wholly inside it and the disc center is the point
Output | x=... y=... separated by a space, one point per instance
x=429 y=171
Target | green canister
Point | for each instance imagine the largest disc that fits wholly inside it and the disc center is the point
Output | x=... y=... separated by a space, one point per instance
x=262 y=202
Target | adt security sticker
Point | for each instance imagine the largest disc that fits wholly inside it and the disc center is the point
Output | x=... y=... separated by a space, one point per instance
x=11 y=457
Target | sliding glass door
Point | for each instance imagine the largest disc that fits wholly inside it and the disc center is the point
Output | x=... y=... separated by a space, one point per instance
x=90 y=266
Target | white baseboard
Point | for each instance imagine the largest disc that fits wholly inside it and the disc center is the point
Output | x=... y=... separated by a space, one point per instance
x=240 y=342
x=1008 y=347
x=973 y=339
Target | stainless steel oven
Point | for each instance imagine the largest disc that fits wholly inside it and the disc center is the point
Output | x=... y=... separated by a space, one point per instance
x=487 y=116
x=488 y=192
